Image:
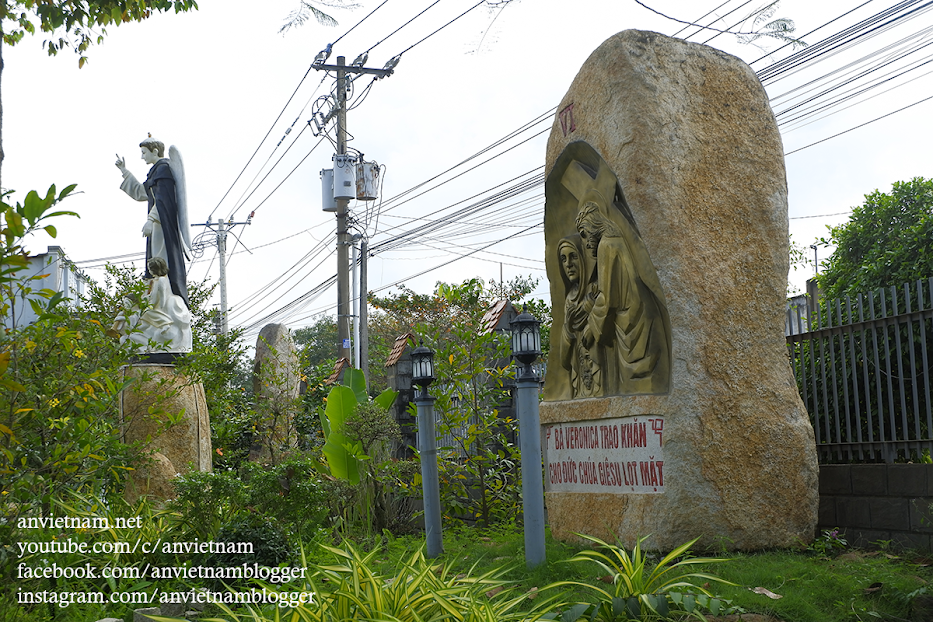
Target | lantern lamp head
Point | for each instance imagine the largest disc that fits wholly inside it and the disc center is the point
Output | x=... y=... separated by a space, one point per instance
x=422 y=366
x=526 y=339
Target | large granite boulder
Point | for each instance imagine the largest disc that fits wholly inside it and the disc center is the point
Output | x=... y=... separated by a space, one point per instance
x=670 y=409
x=276 y=382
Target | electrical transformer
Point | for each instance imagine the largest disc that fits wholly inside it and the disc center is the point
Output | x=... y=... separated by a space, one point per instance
x=344 y=176
x=328 y=203
x=367 y=181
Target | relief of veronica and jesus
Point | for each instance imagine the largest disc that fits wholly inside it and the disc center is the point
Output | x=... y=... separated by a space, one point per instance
x=615 y=337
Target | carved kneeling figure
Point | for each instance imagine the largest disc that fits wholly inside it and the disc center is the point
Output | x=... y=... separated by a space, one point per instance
x=166 y=320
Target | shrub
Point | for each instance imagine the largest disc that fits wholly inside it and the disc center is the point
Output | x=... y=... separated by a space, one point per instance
x=270 y=545
x=292 y=493
x=641 y=590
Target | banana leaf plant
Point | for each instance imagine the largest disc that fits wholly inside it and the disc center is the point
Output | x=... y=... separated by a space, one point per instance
x=343 y=455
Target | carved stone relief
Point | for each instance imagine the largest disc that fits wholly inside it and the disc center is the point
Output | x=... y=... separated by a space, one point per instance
x=615 y=334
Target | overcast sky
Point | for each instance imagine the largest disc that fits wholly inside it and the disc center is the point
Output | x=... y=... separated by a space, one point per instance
x=213 y=82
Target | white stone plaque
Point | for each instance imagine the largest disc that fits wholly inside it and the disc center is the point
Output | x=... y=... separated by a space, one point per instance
x=619 y=456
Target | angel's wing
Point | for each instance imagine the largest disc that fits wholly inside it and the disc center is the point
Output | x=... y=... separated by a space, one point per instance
x=181 y=197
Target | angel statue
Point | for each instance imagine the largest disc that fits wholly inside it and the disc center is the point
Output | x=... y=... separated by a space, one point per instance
x=167 y=230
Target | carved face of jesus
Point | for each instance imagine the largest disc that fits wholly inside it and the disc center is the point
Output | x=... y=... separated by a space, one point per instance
x=590 y=234
x=149 y=157
x=570 y=262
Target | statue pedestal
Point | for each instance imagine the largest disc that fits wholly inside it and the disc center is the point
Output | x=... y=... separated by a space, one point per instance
x=178 y=428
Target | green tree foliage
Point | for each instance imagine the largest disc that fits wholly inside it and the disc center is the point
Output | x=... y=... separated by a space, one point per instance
x=394 y=315
x=479 y=457
x=886 y=242
x=407 y=311
x=291 y=493
x=73 y=23
x=478 y=449
x=869 y=385
x=318 y=342
x=58 y=383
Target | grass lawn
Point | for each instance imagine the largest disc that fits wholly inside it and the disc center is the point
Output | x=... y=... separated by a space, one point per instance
x=812 y=587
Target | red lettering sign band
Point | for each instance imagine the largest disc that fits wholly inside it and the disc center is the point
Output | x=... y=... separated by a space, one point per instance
x=606 y=456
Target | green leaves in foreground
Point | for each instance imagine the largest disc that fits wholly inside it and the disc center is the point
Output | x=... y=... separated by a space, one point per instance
x=642 y=590
x=349 y=588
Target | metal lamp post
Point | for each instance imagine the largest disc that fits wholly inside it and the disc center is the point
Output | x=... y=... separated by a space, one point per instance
x=526 y=348
x=422 y=371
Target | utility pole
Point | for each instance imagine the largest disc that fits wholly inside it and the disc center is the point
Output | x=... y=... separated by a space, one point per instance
x=364 y=313
x=344 y=312
x=343 y=277
x=356 y=306
x=220 y=239
x=222 y=251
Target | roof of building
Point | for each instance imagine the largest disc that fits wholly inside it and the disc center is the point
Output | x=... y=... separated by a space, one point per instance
x=494 y=315
x=341 y=364
x=398 y=349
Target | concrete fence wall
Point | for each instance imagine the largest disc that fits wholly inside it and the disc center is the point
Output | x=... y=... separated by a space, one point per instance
x=872 y=502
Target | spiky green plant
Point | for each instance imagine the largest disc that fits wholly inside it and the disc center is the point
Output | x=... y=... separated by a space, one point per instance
x=350 y=588
x=642 y=590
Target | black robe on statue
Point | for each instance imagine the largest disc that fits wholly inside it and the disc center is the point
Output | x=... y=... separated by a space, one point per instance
x=160 y=188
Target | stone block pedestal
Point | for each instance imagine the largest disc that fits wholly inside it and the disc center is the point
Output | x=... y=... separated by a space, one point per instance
x=177 y=429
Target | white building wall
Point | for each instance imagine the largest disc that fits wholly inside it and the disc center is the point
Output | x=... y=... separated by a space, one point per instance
x=57 y=274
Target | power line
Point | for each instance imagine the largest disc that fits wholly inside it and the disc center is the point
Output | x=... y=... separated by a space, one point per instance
x=698 y=19
x=139 y=255
x=836 y=43
x=358 y=23
x=853 y=66
x=809 y=33
x=797 y=125
x=861 y=125
x=539 y=119
x=852 y=79
x=729 y=29
x=820 y=215
x=789 y=67
x=253 y=299
x=278 y=313
x=421 y=231
x=443 y=27
x=691 y=24
x=402 y=26
x=310 y=67
x=258 y=147
x=365 y=92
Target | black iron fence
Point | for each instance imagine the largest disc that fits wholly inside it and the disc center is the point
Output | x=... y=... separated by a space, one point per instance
x=863 y=370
